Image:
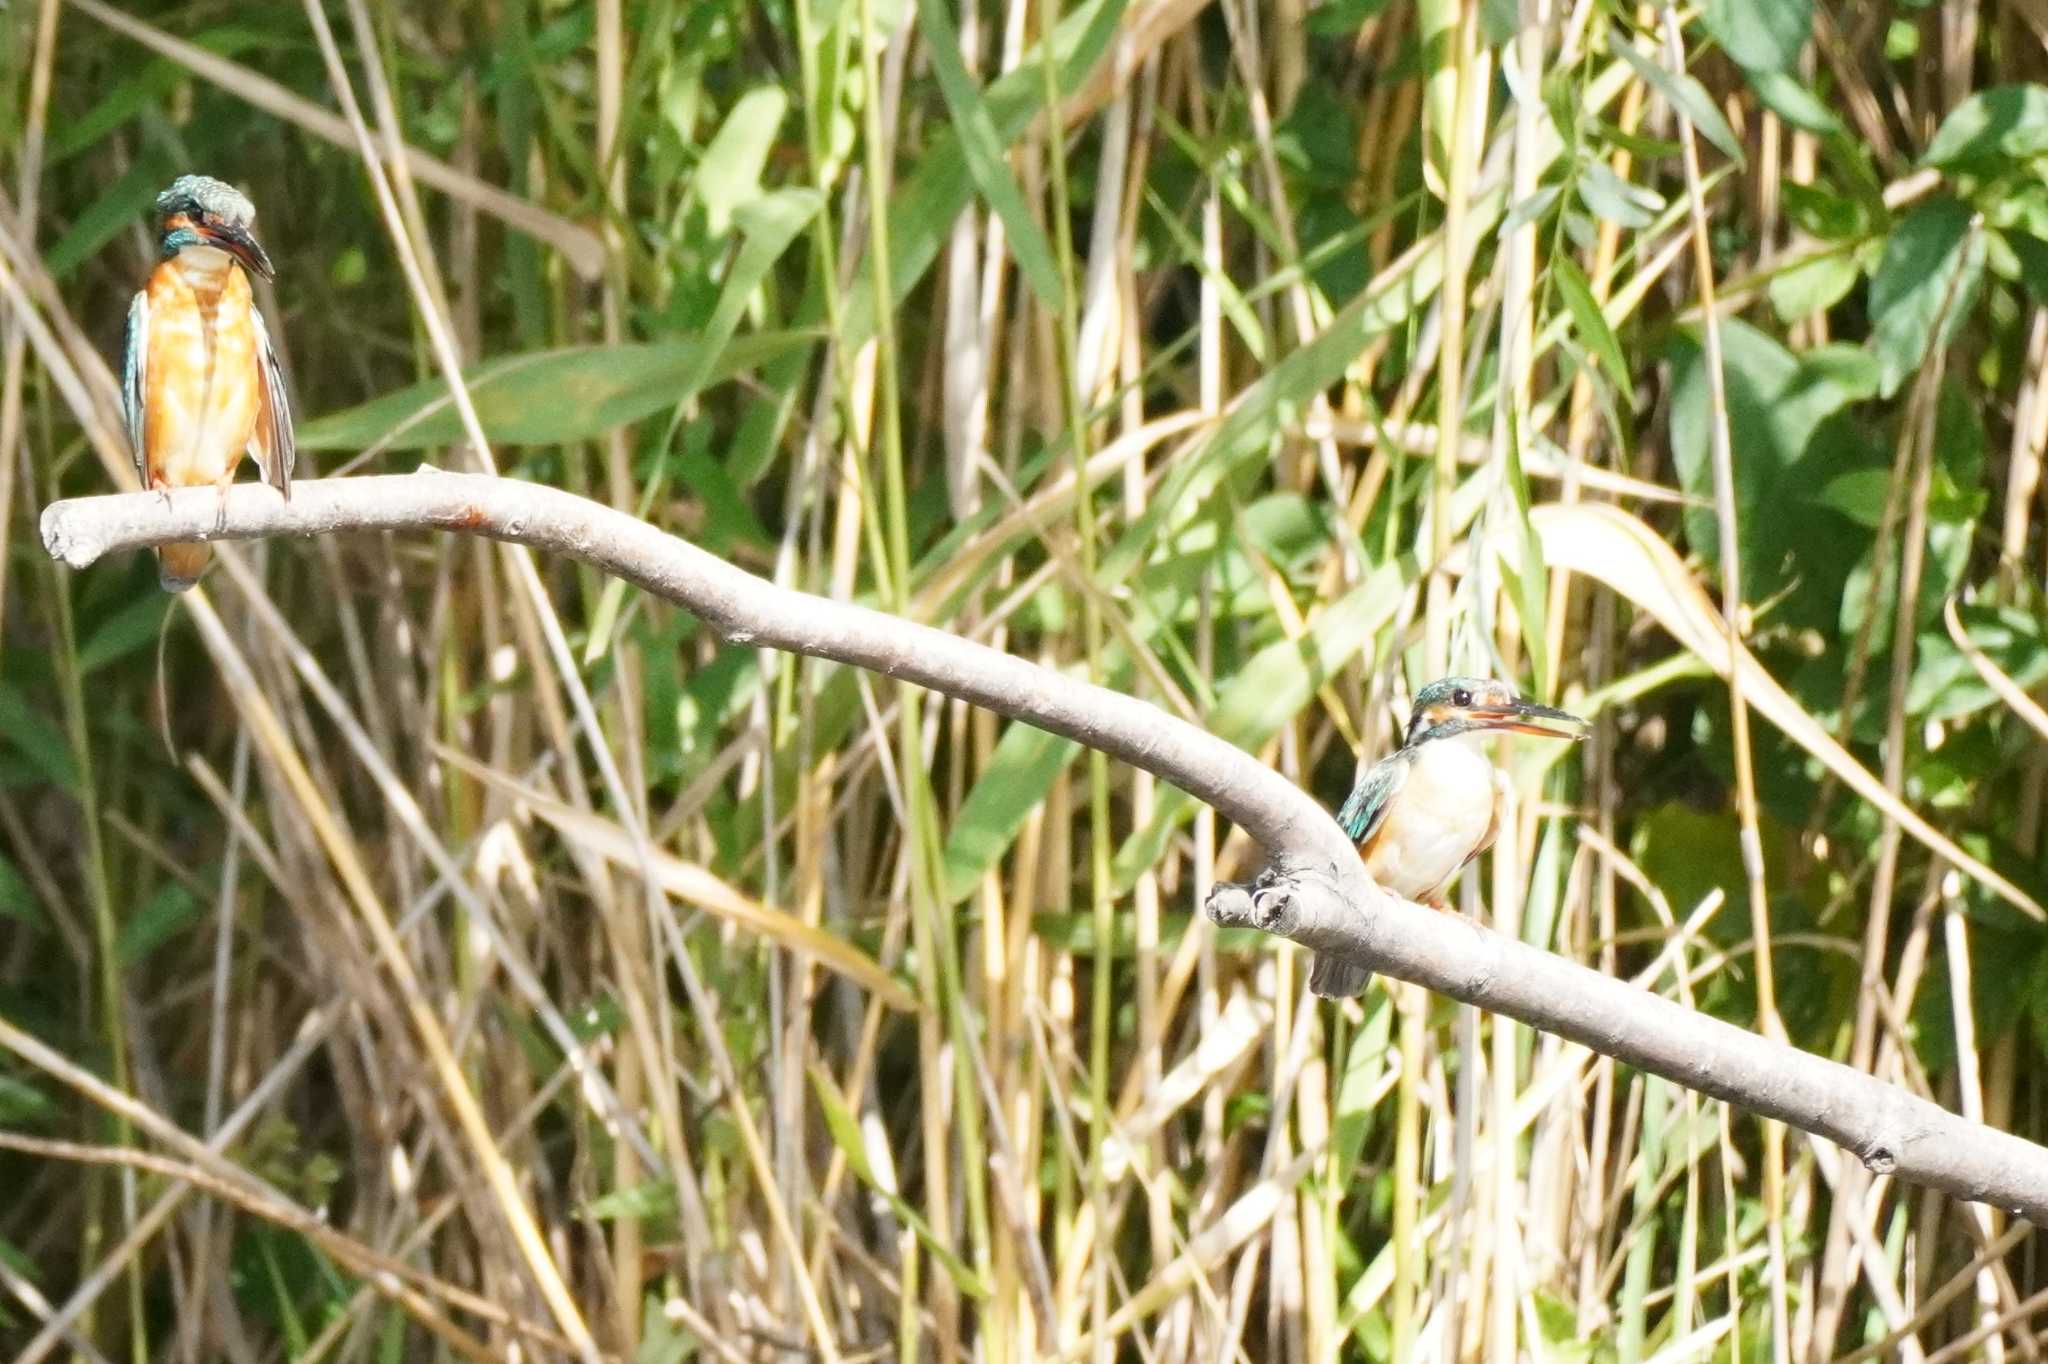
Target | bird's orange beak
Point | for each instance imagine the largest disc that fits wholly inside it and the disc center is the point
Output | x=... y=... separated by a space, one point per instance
x=237 y=242
x=1526 y=717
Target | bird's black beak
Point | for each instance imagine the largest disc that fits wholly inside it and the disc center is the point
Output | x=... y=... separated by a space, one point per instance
x=237 y=242
x=1526 y=717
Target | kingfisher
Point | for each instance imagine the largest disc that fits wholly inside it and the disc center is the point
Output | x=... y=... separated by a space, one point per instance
x=200 y=382
x=1432 y=805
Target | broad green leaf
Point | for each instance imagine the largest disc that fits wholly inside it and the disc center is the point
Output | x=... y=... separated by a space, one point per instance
x=1785 y=95
x=730 y=173
x=1813 y=285
x=2007 y=123
x=1945 y=685
x=1929 y=274
x=1761 y=35
x=545 y=397
x=1787 y=444
x=1684 y=93
x=1829 y=216
x=984 y=151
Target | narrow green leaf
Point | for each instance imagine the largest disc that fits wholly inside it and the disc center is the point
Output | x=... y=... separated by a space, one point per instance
x=1684 y=93
x=983 y=149
x=924 y=207
x=40 y=741
x=845 y=1130
x=128 y=629
x=155 y=921
x=546 y=397
x=730 y=173
x=1590 y=322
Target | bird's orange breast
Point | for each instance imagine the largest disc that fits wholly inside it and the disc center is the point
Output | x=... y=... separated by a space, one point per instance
x=203 y=390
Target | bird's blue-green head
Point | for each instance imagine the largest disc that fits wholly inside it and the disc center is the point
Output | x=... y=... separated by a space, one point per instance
x=1466 y=705
x=198 y=210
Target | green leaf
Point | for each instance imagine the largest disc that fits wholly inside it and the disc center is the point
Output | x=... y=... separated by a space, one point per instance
x=1788 y=97
x=128 y=629
x=1813 y=285
x=2007 y=123
x=730 y=173
x=1945 y=685
x=1271 y=688
x=1684 y=93
x=41 y=742
x=983 y=148
x=1761 y=35
x=1590 y=322
x=2030 y=259
x=649 y=1200
x=545 y=397
x=1929 y=274
x=923 y=208
x=156 y=921
x=1787 y=444
x=845 y=1130
x=1022 y=769
x=1364 y=1063
x=1621 y=202
x=1831 y=217
x=120 y=205
x=17 y=901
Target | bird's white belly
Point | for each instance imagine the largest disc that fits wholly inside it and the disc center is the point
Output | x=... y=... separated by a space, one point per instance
x=1441 y=817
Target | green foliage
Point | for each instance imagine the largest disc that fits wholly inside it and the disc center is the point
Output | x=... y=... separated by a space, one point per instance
x=1262 y=332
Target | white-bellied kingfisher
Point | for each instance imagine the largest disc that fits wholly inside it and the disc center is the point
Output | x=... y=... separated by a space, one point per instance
x=1433 y=804
x=200 y=382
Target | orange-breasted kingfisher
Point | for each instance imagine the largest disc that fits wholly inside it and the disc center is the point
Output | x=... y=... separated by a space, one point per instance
x=200 y=381
x=1426 y=809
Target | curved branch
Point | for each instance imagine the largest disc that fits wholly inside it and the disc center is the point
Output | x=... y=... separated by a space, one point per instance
x=1316 y=892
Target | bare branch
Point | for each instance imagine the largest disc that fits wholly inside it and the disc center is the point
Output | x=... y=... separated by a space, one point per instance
x=1316 y=892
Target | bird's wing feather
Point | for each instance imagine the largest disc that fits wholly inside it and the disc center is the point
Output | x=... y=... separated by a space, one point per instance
x=1365 y=809
x=134 y=372
x=276 y=446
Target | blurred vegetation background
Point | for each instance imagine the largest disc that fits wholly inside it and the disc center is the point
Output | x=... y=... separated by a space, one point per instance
x=496 y=966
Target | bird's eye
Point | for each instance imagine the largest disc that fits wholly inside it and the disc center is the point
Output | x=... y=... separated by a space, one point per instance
x=1461 y=698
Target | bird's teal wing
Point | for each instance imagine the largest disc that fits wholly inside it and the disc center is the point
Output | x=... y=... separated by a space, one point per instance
x=275 y=445
x=1365 y=809
x=135 y=365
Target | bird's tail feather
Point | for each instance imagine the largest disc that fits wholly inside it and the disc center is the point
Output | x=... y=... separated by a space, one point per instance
x=179 y=566
x=1335 y=978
